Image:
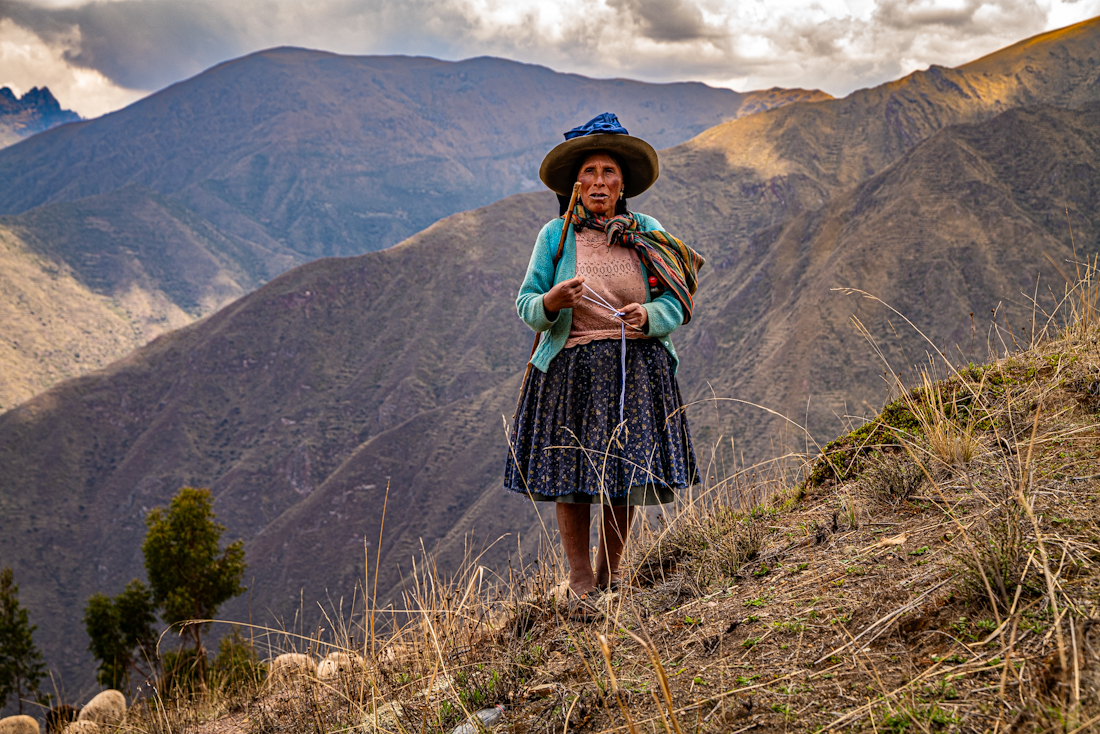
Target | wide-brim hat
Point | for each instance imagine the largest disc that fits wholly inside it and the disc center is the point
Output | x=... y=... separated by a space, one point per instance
x=559 y=167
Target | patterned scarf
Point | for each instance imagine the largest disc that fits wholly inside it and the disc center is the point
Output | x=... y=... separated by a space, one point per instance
x=674 y=264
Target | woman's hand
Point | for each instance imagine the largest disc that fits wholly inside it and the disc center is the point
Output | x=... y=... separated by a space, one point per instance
x=635 y=315
x=566 y=294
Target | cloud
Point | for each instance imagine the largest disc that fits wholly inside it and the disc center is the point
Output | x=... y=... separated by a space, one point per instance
x=27 y=61
x=135 y=43
x=836 y=45
x=666 y=20
x=972 y=16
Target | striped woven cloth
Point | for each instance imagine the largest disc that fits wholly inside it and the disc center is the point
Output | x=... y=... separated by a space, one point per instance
x=674 y=264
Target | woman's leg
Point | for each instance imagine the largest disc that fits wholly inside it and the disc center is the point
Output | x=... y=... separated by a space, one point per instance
x=574 y=526
x=616 y=525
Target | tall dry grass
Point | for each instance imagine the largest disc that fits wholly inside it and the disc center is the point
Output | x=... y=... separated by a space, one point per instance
x=969 y=469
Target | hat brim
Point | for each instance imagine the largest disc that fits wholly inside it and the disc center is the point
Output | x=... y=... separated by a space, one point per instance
x=638 y=156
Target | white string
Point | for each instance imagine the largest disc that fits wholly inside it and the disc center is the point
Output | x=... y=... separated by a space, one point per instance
x=622 y=349
x=622 y=362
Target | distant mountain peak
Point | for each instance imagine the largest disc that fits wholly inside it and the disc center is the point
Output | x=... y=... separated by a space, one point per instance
x=36 y=111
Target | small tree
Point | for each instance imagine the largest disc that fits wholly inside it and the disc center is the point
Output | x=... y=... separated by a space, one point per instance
x=189 y=575
x=122 y=634
x=21 y=666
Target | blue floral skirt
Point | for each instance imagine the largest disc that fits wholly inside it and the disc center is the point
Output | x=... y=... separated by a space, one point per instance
x=567 y=444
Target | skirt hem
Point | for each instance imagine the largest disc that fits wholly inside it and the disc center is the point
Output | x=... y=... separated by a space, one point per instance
x=639 y=496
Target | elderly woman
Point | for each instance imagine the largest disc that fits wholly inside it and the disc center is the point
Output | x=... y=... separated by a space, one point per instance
x=599 y=420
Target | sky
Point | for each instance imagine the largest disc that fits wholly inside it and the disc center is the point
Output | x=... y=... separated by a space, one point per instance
x=99 y=55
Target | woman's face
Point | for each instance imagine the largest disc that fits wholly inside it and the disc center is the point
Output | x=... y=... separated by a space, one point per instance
x=601 y=182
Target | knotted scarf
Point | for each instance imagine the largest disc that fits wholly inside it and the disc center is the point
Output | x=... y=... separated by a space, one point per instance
x=674 y=264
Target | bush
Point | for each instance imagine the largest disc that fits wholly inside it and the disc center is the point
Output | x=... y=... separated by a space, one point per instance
x=894 y=479
x=185 y=672
x=236 y=667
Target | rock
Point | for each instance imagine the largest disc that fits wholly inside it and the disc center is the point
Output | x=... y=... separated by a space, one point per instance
x=385 y=719
x=290 y=666
x=107 y=708
x=544 y=690
x=339 y=665
x=18 y=725
x=81 y=727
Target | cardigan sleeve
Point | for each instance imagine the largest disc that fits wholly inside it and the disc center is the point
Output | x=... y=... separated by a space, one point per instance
x=539 y=279
x=664 y=315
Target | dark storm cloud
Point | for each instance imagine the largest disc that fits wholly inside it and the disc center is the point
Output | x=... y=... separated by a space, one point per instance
x=140 y=44
x=148 y=44
x=666 y=20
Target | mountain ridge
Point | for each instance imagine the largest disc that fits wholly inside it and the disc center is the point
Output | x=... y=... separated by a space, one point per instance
x=266 y=162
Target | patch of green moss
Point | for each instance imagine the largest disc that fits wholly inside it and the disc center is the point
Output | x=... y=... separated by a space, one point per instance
x=846 y=456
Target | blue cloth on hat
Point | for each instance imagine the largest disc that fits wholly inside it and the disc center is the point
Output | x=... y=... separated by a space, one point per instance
x=605 y=123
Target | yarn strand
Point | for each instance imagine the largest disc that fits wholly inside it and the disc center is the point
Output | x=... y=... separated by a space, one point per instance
x=622 y=345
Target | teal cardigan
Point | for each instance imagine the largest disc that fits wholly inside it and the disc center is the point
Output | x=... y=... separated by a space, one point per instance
x=664 y=315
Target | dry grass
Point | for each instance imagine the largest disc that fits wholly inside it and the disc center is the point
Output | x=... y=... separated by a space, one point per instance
x=935 y=570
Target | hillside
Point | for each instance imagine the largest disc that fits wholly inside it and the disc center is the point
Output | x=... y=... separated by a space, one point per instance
x=34 y=112
x=135 y=265
x=300 y=403
x=217 y=184
x=54 y=327
x=966 y=223
x=946 y=582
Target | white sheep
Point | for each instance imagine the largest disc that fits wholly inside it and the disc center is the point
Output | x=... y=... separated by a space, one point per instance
x=107 y=709
x=81 y=727
x=18 y=725
x=291 y=665
x=339 y=664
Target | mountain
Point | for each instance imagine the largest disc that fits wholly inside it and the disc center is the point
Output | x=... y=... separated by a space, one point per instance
x=766 y=168
x=35 y=111
x=340 y=155
x=777 y=172
x=300 y=403
x=134 y=264
x=191 y=197
x=265 y=400
x=966 y=223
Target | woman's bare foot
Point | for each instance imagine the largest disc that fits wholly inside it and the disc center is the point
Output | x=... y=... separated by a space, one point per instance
x=582 y=590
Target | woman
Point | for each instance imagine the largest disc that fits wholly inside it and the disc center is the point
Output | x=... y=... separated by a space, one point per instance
x=582 y=434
